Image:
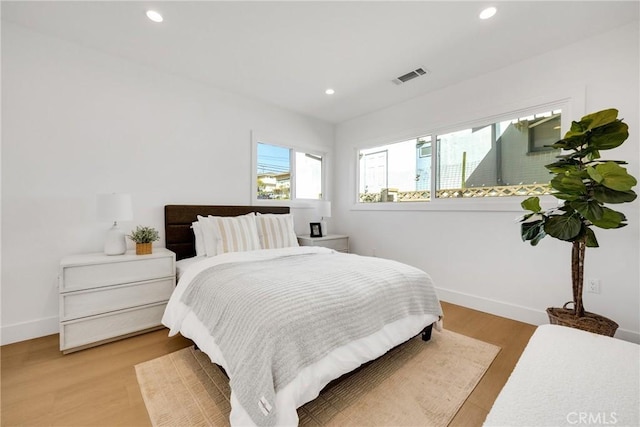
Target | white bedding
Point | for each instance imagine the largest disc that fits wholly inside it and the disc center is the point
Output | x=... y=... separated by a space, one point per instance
x=568 y=377
x=183 y=264
x=307 y=385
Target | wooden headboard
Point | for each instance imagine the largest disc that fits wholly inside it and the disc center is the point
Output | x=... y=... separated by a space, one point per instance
x=178 y=218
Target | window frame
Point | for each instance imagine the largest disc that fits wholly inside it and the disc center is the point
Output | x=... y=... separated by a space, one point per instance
x=293 y=149
x=571 y=105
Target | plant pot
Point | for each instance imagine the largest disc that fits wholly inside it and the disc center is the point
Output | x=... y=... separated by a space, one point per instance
x=144 y=248
x=591 y=322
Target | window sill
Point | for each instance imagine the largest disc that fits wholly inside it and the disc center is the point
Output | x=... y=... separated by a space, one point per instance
x=486 y=204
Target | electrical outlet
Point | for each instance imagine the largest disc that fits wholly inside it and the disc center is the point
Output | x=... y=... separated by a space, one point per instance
x=593 y=286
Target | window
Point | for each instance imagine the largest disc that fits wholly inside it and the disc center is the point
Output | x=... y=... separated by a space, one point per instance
x=497 y=159
x=308 y=176
x=544 y=130
x=283 y=173
x=389 y=172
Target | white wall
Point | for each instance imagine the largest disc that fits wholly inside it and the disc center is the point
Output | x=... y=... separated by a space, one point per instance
x=76 y=123
x=476 y=257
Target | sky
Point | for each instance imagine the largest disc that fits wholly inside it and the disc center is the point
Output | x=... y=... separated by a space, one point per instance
x=272 y=158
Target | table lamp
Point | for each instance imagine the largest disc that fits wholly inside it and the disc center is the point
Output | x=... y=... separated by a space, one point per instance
x=115 y=207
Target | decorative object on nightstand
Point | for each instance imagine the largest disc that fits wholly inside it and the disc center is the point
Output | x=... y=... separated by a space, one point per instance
x=114 y=207
x=104 y=298
x=584 y=183
x=316 y=229
x=144 y=238
x=338 y=242
x=325 y=212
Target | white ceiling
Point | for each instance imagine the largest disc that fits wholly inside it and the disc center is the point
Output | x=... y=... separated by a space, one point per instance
x=288 y=53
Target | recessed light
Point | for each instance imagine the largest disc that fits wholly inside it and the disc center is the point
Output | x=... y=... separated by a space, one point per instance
x=488 y=13
x=154 y=16
x=329 y=91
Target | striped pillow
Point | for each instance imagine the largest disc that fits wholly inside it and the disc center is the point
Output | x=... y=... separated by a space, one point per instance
x=234 y=234
x=276 y=231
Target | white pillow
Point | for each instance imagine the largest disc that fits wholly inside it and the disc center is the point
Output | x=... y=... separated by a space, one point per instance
x=234 y=234
x=209 y=237
x=276 y=231
x=197 y=232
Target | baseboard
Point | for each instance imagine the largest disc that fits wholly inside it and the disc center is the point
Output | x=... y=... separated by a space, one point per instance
x=28 y=330
x=513 y=311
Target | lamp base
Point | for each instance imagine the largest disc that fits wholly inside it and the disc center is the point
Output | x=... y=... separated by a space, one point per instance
x=323 y=228
x=115 y=243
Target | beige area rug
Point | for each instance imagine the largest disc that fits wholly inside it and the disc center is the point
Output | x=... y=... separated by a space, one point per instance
x=415 y=384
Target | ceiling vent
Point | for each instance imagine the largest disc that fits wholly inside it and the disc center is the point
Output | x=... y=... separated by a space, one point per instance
x=410 y=75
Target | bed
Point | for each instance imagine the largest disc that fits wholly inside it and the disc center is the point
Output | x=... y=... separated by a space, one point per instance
x=568 y=377
x=283 y=320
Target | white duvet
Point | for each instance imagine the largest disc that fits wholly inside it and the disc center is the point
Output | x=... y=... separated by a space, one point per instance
x=310 y=381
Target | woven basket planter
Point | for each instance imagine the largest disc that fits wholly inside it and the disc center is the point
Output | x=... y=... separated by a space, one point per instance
x=591 y=322
x=144 y=248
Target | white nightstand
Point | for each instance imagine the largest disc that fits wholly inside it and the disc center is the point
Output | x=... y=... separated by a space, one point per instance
x=104 y=298
x=339 y=242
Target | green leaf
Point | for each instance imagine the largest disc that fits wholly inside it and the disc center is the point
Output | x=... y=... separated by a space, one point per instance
x=615 y=177
x=599 y=118
x=570 y=142
x=564 y=165
x=568 y=184
x=591 y=240
x=609 y=136
x=594 y=174
x=610 y=219
x=566 y=207
x=607 y=195
x=563 y=227
x=531 y=204
x=533 y=231
x=568 y=197
x=540 y=236
x=593 y=154
x=582 y=174
x=530 y=229
x=577 y=129
x=590 y=209
x=574 y=156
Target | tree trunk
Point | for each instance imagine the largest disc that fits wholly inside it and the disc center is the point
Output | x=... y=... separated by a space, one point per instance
x=577 y=275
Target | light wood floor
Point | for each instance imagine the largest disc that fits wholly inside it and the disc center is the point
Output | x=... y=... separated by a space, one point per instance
x=98 y=387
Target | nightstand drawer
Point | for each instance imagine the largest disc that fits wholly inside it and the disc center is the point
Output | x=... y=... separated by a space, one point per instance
x=109 y=326
x=341 y=245
x=336 y=242
x=77 y=277
x=74 y=305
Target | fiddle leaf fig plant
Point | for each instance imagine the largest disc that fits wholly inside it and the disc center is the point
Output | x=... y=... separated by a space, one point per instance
x=584 y=183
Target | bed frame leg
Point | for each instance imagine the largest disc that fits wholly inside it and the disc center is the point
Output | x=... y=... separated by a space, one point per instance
x=426 y=332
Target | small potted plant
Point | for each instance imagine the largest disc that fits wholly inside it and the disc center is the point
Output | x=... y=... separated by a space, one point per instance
x=144 y=237
x=584 y=184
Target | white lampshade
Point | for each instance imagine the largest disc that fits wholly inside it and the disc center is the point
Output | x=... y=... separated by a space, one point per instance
x=115 y=207
x=325 y=209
